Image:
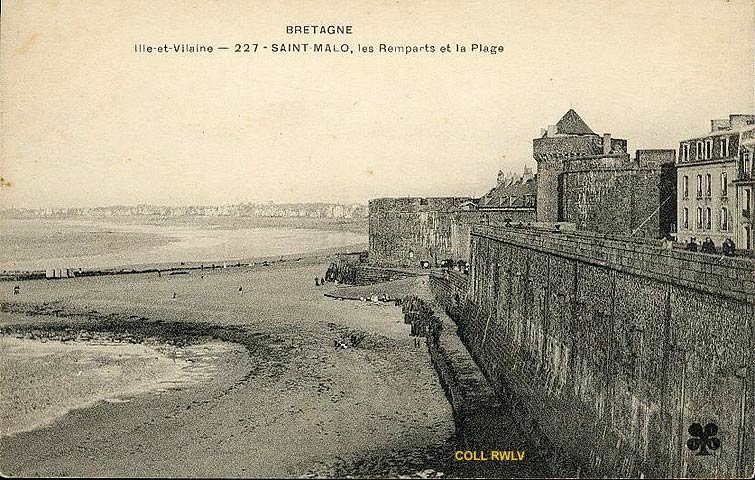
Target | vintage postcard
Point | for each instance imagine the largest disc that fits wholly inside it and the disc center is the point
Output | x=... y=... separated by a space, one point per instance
x=391 y=239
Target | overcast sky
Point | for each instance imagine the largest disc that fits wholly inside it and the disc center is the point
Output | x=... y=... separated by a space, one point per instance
x=86 y=121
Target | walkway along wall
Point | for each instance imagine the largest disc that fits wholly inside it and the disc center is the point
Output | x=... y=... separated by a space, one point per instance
x=610 y=348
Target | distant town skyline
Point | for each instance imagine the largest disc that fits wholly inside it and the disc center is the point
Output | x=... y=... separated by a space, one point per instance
x=246 y=209
x=87 y=122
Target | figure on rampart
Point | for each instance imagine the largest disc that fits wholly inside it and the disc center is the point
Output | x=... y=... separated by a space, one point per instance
x=708 y=246
x=728 y=247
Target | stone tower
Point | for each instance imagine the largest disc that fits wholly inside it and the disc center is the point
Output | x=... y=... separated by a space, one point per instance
x=570 y=137
x=590 y=180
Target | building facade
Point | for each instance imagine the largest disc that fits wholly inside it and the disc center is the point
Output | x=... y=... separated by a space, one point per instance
x=745 y=188
x=512 y=201
x=713 y=183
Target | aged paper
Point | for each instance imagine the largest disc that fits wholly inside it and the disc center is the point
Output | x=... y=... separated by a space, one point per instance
x=377 y=239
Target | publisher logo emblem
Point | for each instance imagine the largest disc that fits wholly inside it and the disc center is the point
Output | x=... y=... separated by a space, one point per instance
x=703 y=438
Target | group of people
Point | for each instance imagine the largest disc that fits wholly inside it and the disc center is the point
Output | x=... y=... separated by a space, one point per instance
x=340 y=273
x=707 y=246
x=458 y=265
x=423 y=321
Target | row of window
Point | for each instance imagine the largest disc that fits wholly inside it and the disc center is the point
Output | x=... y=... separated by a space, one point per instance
x=704 y=150
x=705 y=219
x=708 y=185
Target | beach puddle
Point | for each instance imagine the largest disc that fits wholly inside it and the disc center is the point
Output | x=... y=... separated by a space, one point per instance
x=42 y=379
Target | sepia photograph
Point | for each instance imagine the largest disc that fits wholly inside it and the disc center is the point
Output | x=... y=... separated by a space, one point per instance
x=377 y=239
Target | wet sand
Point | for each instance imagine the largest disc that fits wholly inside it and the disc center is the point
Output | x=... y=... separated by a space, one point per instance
x=288 y=404
x=42 y=380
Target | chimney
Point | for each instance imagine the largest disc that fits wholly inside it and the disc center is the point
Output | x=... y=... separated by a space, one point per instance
x=722 y=124
x=551 y=130
x=606 y=143
x=739 y=120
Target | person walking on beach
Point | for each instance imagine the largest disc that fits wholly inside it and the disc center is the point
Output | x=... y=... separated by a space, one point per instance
x=241 y=289
x=174 y=294
x=16 y=290
x=317 y=282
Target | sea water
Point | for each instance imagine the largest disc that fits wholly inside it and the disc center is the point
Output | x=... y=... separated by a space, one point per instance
x=39 y=244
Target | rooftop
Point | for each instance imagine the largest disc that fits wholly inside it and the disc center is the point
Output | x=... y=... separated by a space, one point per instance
x=735 y=124
x=511 y=192
x=572 y=124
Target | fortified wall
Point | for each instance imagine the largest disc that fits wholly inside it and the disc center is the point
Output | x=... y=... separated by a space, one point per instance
x=406 y=231
x=464 y=221
x=616 y=195
x=609 y=348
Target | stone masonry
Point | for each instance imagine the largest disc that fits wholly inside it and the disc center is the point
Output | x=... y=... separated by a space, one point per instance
x=610 y=348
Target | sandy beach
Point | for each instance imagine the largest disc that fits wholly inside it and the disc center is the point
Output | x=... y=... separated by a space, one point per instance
x=286 y=403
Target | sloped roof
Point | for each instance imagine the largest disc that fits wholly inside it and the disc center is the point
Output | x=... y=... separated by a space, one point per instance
x=511 y=195
x=572 y=124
